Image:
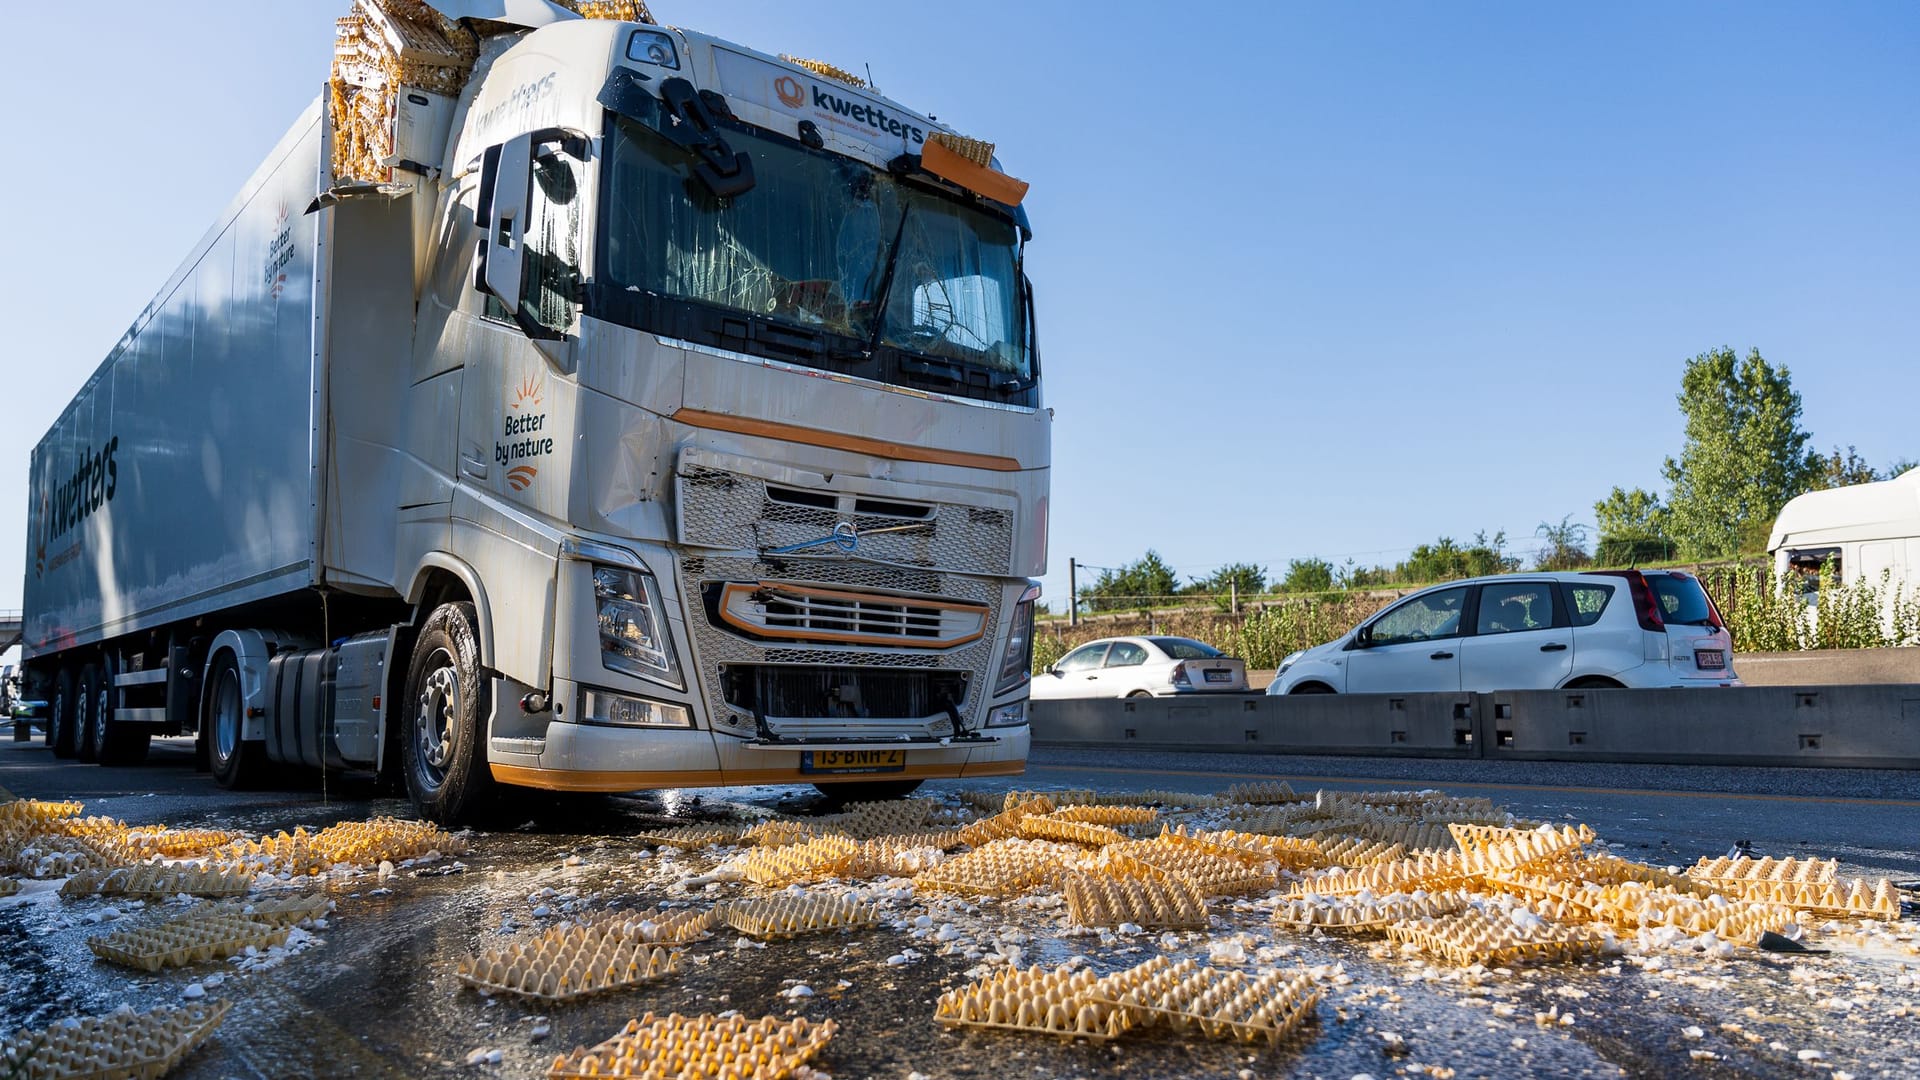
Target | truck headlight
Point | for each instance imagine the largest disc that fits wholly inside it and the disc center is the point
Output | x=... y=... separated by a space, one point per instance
x=1013 y=715
x=633 y=625
x=601 y=707
x=1016 y=664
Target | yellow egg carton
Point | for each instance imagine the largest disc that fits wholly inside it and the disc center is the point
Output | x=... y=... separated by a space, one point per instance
x=1212 y=1002
x=691 y=837
x=286 y=911
x=1741 y=870
x=1268 y=820
x=1251 y=849
x=1493 y=938
x=1844 y=898
x=567 y=962
x=999 y=868
x=864 y=821
x=1213 y=875
x=179 y=843
x=384 y=838
x=293 y=853
x=791 y=916
x=186 y=939
x=1058 y=1001
x=778 y=832
x=903 y=855
x=1169 y=902
x=1497 y=848
x=1006 y=823
x=1114 y=817
x=51 y=856
x=1055 y=799
x=1569 y=898
x=616 y=10
x=1260 y=793
x=1049 y=827
x=1351 y=914
x=155 y=880
x=815 y=860
x=676 y=928
x=1606 y=869
x=1341 y=850
x=1411 y=835
x=700 y=1048
x=1430 y=871
x=1155 y=797
x=118 y=1045
x=36 y=814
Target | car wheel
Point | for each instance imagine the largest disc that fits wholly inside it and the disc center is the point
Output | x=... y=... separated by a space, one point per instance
x=61 y=728
x=87 y=698
x=868 y=790
x=1311 y=688
x=1138 y=693
x=447 y=704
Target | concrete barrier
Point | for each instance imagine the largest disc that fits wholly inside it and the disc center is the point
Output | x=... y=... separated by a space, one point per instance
x=1827 y=726
x=1411 y=725
x=1829 y=667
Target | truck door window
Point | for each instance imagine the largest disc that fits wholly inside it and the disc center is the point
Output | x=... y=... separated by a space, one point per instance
x=551 y=277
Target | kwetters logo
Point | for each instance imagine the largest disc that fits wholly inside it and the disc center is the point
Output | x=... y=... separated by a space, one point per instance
x=71 y=500
x=522 y=420
x=792 y=94
x=844 y=112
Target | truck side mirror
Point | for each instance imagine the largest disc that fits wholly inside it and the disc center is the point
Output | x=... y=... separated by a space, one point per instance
x=506 y=183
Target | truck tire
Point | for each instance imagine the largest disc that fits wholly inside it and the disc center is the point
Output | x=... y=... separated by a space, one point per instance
x=62 y=731
x=442 y=737
x=87 y=699
x=234 y=762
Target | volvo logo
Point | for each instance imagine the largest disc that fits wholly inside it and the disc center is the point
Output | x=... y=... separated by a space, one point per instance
x=844 y=536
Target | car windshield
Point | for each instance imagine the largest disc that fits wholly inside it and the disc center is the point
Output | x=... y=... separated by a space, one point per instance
x=1682 y=601
x=1186 y=648
x=823 y=242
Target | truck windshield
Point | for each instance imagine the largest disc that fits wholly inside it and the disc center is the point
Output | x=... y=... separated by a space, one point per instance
x=906 y=283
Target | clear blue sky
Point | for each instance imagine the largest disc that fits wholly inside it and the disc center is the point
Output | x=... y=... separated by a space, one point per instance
x=1319 y=279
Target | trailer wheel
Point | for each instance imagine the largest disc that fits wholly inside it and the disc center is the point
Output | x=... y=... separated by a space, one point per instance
x=61 y=733
x=88 y=699
x=235 y=763
x=441 y=740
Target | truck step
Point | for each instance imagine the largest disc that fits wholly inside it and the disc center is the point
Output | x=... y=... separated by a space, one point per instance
x=140 y=716
x=141 y=678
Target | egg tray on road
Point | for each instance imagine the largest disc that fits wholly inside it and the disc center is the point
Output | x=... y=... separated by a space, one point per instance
x=568 y=962
x=156 y=880
x=782 y=917
x=186 y=939
x=123 y=1045
x=700 y=1048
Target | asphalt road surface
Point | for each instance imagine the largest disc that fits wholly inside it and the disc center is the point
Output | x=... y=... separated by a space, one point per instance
x=374 y=993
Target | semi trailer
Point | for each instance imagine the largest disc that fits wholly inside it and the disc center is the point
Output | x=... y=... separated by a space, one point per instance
x=633 y=410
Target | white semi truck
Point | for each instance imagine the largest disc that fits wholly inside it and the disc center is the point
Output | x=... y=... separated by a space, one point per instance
x=668 y=417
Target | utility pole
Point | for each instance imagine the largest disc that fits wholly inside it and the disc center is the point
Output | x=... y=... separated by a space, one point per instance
x=1233 y=594
x=1073 y=592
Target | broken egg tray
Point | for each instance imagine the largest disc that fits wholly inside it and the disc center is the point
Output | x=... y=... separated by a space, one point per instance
x=187 y=939
x=155 y=880
x=1171 y=903
x=700 y=1048
x=117 y=1046
x=1348 y=915
x=788 y=917
x=566 y=963
x=1221 y=1004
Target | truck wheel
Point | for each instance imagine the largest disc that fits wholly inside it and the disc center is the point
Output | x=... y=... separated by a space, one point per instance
x=87 y=699
x=441 y=740
x=235 y=763
x=61 y=729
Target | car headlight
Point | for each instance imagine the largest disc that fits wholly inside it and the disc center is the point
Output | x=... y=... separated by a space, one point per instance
x=633 y=626
x=1016 y=664
x=601 y=707
x=1290 y=659
x=1013 y=715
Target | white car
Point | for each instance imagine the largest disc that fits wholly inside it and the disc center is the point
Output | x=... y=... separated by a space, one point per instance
x=1141 y=667
x=1594 y=629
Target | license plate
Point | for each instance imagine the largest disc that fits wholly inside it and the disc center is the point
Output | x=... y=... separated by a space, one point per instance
x=1219 y=676
x=1709 y=658
x=852 y=761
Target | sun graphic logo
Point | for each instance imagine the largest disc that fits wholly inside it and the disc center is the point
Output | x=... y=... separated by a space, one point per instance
x=792 y=94
x=526 y=394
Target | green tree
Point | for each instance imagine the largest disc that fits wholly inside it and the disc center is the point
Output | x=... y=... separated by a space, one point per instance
x=1445 y=559
x=1845 y=470
x=1745 y=454
x=1243 y=579
x=1633 y=529
x=1135 y=585
x=1898 y=466
x=1308 y=575
x=1566 y=547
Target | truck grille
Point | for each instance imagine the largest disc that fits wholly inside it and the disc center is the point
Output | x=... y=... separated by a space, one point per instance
x=789 y=612
x=738 y=512
x=845 y=702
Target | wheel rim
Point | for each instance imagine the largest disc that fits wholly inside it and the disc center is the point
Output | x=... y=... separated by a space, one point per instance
x=436 y=726
x=99 y=731
x=56 y=725
x=226 y=716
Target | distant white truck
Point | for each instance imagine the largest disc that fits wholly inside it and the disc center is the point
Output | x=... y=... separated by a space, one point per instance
x=664 y=414
x=1862 y=532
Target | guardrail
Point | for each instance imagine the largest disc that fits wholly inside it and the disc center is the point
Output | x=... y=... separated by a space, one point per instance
x=1826 y=726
